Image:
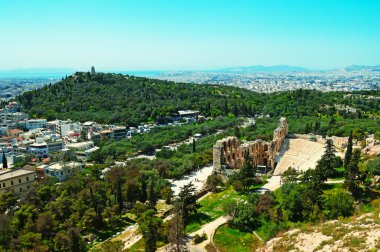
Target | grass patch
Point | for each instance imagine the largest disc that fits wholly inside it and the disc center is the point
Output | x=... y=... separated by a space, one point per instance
x=122 y=222
x=331 y=188
x=87 y=170
x=253 y=188
x=210 y=208
x=137 y=247
x=230 y=239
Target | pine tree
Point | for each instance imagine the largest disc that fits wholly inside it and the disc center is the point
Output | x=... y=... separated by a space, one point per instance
x=5 y=162
x=325 y=166
x=352 y=173
x=237 y=132
x=149 y=230
x=151 y=193
x=348 y=155
x=247 y=172
x=176 y=234
x=187 y=201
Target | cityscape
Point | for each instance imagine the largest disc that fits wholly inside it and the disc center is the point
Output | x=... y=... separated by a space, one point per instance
x=363 y=79
x=189 y=126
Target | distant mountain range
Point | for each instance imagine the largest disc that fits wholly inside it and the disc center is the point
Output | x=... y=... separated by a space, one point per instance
x=264 y=69
x=362 y=67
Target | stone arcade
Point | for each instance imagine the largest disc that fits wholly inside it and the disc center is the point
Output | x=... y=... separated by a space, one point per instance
x=229 y=152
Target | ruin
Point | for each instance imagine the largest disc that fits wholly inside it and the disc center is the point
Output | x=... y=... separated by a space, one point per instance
x=229 y=152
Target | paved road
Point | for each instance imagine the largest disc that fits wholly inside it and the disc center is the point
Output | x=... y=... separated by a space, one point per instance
x=209 y=229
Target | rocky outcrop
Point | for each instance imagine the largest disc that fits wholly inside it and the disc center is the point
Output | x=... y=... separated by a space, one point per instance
x=231 y=153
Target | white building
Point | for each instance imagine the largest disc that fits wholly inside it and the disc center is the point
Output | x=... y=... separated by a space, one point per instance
x=39 y=149
x=62 y=171
x=82 y=149
x=64 y=128
x=35 y=124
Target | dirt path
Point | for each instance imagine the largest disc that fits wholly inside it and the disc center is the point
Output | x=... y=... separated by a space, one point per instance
x=208 y=229
x=129 y=236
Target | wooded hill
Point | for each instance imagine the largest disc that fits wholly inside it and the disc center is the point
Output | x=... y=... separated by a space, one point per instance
x=130 y=100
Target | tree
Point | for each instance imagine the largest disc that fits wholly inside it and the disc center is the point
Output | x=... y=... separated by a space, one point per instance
x=5 y=231
x=326 y=165
x=237 y=132
x=352 y=173
x=151 y=193
x=194 y=149
x=116 y=176
x=373 y=166
x=358 y=134
x=83 y=135
x=348 y=154
x=176 y=234
x=188 y=202
x=229 y=207
x=246 y=217
x=247 y=172
x=5 y=162
x=149 y=229
x=265 y=204
x=214 y=181
x=290 y=175
x=292 y=201
x=7 y=202
x=377 y=135
x=44 y=224
x=339 y=204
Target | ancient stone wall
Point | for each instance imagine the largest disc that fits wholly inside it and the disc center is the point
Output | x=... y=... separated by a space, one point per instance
x=230 y=152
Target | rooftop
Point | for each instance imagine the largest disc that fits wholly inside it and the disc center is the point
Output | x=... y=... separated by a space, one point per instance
x=88 y=123
x=80 y=145
x=187 y=112
x=14 y=174
x=59 y=166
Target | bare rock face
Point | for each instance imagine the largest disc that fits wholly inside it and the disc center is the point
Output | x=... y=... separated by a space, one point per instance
x=229 y=151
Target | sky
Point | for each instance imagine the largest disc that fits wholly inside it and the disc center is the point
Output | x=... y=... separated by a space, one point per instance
x=188 y=34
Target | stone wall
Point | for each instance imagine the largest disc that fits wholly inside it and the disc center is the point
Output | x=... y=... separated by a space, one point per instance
x=231 y=153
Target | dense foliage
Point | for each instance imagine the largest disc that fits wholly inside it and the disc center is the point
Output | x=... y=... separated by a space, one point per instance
x=63 y=216
x=114 y=98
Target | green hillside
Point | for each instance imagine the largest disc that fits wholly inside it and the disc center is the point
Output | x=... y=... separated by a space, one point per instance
x=129 y=100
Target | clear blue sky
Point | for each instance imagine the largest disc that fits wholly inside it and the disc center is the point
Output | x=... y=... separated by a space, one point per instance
x=187 y=34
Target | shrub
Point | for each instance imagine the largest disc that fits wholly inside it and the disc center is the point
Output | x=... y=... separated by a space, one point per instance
x=373 y=166
x=339 y=204
x=199 y=238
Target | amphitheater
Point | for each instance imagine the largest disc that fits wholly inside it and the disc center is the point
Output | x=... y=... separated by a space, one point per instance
x=300 y=154
x=279 y=154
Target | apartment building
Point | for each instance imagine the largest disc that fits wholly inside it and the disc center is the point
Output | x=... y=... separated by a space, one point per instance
x=16 y=181
x=61 y=171
x=35 y=124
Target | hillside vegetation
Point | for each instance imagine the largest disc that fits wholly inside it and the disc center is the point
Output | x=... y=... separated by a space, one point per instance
x=129 y=100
